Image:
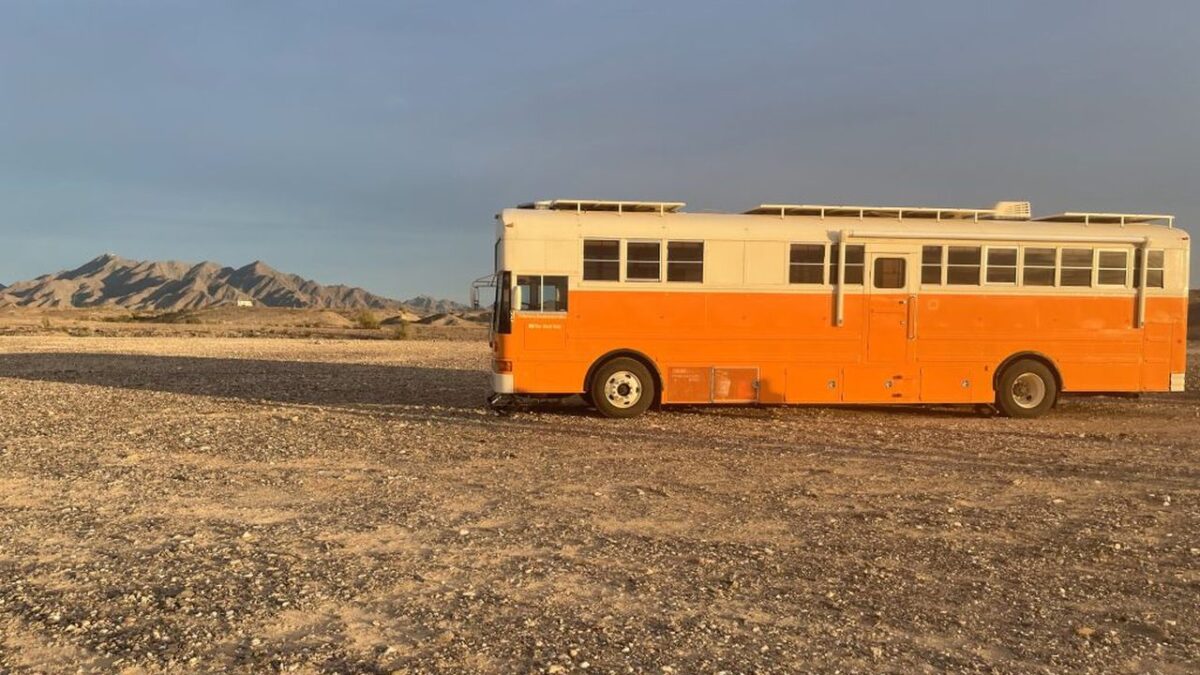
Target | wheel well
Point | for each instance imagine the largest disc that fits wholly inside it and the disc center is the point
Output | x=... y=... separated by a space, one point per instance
x=1032 y=356
x=626 y=353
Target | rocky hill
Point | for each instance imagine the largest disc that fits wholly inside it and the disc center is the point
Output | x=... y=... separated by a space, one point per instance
x=172 y=286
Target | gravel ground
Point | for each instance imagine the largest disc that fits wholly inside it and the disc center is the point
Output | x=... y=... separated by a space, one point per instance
x=179 y=505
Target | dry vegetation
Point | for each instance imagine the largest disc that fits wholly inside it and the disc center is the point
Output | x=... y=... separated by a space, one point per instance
x=174 y=505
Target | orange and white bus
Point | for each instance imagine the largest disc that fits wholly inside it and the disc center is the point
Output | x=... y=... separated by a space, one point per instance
x=636 y=303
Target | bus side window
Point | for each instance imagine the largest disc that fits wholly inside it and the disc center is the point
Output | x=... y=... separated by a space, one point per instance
x=1076 y=269
x=1154 y=269
x=932 y=258
x=855 y=263
x=1112 y=267
x=807 y=264
x=531 y=293
x=554 y=294
x=1039 y=267
x=962 y=267
x=889 y=273
x=643 y=260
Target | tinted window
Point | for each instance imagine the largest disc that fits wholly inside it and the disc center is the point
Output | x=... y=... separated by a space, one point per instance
x=855 y=255
x=1112 y=268
x=642 y=260
x=1002 y=265
x=1039 y=266
x=931 y=264
x=1076 y=267
x=1154 y=269
x=889 y=273
x=807 y=264
x=962 y=266
x=601 y=259
x=685 y=261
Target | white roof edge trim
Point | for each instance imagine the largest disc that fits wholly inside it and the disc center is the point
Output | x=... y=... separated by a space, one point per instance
x=604 y=205
x=1110 y=218
x=984 y=236
x=863 y=210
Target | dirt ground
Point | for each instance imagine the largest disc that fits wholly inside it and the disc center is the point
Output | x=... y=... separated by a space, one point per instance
x=203 y=504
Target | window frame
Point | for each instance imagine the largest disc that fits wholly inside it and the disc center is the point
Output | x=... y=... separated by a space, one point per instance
x=828 y=271
x=1138 y=271
x=1053 y=266
x=1062 y=267
x=979 y=265
x=541 y=295
x=1099 y=252
x=665 y=265
x=941 y=264
x=584 y=260
x=833 y=264
x=625 y=269
x=986 y=264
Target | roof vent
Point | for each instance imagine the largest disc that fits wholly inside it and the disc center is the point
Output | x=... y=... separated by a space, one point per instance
x=1013 y=211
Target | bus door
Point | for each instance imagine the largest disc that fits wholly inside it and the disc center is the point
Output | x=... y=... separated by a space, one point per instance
x=889 y=371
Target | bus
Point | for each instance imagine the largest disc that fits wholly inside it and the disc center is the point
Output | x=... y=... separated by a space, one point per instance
x=634 y=304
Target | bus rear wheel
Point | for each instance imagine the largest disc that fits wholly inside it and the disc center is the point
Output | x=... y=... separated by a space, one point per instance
x=622 y=388
x=1026 y=389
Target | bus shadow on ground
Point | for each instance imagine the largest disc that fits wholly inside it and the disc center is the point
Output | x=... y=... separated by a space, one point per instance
x=292 y=382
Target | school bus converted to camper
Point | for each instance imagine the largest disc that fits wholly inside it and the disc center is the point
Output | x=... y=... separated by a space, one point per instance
x=632 y=303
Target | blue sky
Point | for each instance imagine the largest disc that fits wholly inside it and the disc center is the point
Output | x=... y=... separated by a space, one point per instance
x=371 y=142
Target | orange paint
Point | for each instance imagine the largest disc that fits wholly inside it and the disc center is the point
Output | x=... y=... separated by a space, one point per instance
x=926 y=347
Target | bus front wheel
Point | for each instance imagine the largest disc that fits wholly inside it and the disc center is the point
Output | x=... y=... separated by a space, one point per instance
x=1026 y=389
x=622 y=388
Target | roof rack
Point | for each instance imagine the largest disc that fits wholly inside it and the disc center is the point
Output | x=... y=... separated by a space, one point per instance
x=1002 y=210
x=1108 y=218
x=580 y=205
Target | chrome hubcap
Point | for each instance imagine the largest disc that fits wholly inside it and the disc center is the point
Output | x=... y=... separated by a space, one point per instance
x=623 y=389
x=1028 y=390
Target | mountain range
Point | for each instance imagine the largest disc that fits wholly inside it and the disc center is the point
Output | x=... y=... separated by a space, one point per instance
x=110 y=280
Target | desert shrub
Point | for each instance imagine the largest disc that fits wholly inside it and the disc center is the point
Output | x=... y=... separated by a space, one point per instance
x=366 y=319
x=400 y=331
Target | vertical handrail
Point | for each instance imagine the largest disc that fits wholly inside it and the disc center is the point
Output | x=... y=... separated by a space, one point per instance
x=912 y=317
x=840 y=297
x=1144 y=255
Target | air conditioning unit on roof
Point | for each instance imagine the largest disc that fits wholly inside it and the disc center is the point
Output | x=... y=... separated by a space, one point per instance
x=1013 y=210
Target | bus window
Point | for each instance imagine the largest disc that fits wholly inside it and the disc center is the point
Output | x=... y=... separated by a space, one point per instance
x=1076 y=267
x=643 y=260
x=1154 y=269
x=1039 y=267
x=889 y=273
x=685 y=261
x=504 y=305
x=1113 y=267
x=601 y=259
x=855 y=255
x=554 y=294
x=531 y=293
x=1001 y=265
x=807 y=264
x=963 y=266
x=932 y=258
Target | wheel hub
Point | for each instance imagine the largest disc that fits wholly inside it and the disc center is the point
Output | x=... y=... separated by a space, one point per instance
x=1028 y=390
x=623 y=389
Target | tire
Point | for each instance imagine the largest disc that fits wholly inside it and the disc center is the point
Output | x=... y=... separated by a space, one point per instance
x=622 y=388
x=1026 y=389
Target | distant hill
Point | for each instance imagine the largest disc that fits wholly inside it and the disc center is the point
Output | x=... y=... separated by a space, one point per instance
x=425 y=305
x=172 y=286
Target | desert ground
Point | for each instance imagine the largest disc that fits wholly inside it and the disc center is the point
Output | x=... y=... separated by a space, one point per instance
x=208 y=504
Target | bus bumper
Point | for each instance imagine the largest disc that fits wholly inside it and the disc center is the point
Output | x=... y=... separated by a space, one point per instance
x=502 y=383
x=1177 y=381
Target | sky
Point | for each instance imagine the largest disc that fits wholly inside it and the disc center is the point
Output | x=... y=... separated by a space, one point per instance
x=371 y=143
